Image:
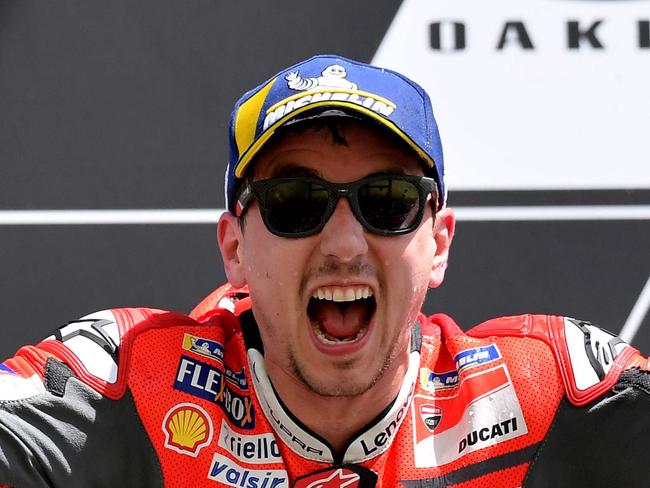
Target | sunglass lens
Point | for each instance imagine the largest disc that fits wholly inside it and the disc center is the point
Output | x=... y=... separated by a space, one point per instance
x=294 y=207
x=389 y=204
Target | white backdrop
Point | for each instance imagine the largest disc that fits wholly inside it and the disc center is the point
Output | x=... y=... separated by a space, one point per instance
x=547 y=117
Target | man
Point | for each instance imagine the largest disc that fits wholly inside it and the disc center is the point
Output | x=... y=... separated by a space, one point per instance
x=314 y=367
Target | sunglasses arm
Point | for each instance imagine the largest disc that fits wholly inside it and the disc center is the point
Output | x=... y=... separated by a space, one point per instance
x=243 y=200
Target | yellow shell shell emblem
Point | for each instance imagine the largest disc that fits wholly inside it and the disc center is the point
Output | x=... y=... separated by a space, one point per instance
x=187 y=428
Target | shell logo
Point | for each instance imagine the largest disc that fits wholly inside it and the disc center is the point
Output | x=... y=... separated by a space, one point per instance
x=187 y=428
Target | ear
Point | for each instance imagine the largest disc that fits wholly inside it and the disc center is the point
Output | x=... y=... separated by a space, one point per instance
x=230 y=239
x=443 y=234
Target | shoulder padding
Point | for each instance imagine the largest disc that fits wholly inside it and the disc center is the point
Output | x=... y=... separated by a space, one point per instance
x=590 y=359
x=97 y=347
x=235 y=300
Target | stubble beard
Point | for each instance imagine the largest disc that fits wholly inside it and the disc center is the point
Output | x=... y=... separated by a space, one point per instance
x=338 y=387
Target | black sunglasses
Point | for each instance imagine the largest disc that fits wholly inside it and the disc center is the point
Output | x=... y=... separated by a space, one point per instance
x=301 y=206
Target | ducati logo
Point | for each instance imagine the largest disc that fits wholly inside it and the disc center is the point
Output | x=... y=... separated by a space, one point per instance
x=431 y=415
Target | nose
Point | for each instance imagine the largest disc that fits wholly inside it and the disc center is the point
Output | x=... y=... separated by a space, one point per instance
x=343 y=236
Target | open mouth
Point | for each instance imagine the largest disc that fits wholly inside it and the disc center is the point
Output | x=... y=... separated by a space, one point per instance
x=341 y=314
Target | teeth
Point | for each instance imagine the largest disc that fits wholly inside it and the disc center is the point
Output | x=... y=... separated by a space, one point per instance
x=342 y=293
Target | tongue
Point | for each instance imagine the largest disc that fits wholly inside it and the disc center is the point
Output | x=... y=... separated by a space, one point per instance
x=339 y=322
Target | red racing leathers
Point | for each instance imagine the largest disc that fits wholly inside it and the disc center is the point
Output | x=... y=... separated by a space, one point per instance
x=147 y=398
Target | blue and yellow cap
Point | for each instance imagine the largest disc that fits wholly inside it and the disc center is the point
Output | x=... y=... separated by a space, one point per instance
x=332 y=82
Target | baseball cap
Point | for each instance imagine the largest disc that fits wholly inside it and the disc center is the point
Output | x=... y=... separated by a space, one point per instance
x=329 y=83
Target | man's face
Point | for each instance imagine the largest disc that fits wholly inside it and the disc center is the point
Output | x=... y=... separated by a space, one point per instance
x=334 y=348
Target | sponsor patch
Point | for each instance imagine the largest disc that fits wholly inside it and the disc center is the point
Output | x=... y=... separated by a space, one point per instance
x=483 y=411
x=485 y=434
x=475 y=356
x=207 y=381
x=187 y=428
x=252 y=449
x=204 y=347
x=214 y=350
x=430 y=415
x=432 y=381
x=347 y=476
x=229 y=473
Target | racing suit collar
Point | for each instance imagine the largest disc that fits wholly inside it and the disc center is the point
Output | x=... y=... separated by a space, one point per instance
x=300 y=439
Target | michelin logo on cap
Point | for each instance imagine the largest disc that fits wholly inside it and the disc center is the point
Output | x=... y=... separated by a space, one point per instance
x=332 y=85
x=332 y=77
